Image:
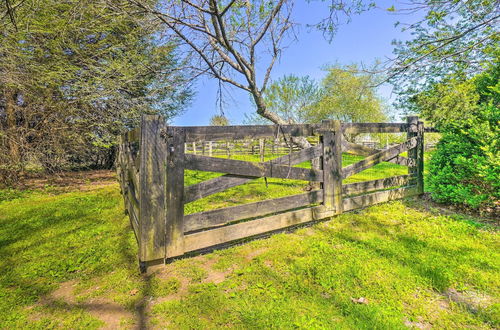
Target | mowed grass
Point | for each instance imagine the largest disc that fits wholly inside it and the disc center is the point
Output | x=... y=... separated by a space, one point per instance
x=68 y=260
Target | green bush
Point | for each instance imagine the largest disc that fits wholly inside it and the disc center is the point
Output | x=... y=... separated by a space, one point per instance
x=465 y=168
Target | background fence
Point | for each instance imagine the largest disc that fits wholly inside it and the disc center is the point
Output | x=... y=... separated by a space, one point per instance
x=153 y=157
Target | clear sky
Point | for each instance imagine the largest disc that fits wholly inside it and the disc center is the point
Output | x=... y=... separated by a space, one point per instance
x=367 y=37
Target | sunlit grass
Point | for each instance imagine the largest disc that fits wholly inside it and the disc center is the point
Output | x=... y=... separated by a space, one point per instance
x=403 y=257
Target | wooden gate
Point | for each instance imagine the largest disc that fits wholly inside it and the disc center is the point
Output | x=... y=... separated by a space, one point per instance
x=152 y=160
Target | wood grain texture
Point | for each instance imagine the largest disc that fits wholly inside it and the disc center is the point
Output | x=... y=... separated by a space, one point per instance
x=134 y=135
x=152 y=189
x=213 y=186
x=356 y=128
x=378 y=197
x=216 y=133
x=378 y=158
x=175 y=159
x=251 y=169
x=360 y=150
x=420 y=157
x=202 y=220
x=332 y=165
x=412 y=152
x=237 y=231
x=373 y=185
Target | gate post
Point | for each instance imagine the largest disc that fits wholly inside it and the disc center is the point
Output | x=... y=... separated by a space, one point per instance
x=416 y=155
x=174 y=192
x=332 y=165
x=153 y=150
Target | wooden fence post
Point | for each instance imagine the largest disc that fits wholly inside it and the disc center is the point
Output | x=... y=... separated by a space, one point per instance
x=210 y=148
x=332 y=165
x=262 y=143
x=153 y=150
x=174 y=192
x=420 y=158
x=416 y=129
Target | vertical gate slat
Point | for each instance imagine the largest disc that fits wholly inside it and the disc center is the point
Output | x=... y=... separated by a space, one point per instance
x=420 y=157
x=175 y=192
x=412 y=153
x=332 y=165
x=152 y=189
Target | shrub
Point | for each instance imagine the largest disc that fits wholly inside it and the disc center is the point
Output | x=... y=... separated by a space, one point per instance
x=465 y=168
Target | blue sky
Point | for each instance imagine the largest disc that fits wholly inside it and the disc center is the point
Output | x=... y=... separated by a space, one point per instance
x=367 y=37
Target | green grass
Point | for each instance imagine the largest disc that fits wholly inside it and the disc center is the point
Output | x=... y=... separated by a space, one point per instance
x=68 y=260
x=258 y=190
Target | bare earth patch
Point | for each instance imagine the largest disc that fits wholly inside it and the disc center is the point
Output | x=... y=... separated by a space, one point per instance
x=71 y=181
x=112 y=314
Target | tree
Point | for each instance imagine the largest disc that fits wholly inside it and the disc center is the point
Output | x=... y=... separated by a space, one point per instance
x=465 y=167
x=230 y=39
x=457 y=37
x=290 y=97
x=219 y=120
x=347 y=95
x=75 y=74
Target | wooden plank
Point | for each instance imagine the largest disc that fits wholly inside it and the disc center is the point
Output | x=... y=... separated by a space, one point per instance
x=251 y=169
x=262 y=143
x=420 y=157
x=152 y=189
x=175 y=193
x=378 y=197
x=355 y=128
x=369 y=186
x=216 y=133
x=412 y=153
x=133 y=217
x=357 y=149
x=213 y=186
x=332 y=165
x=237 y=231
x=431 y=130
x=134 y=135
x=377 y=158
x=202 y=220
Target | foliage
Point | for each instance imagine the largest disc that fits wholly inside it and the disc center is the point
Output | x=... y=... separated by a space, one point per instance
x=73 y=74
x=219 y=120
x=344 y=94
x=453 y=37
x=347 y=95
x=466 y=165
x=393 y=255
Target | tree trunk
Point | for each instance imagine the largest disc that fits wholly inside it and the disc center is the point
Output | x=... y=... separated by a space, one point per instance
x=275 y=118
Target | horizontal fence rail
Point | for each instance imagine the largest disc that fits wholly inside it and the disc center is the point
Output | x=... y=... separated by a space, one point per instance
x=152 y=160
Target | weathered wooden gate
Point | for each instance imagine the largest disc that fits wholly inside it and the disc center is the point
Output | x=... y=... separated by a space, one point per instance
x=152 y=160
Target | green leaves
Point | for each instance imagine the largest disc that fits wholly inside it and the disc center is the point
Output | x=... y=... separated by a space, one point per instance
x=80 y=72
x=465 y=168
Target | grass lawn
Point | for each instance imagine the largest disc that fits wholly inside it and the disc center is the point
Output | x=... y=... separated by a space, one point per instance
x=68 y=260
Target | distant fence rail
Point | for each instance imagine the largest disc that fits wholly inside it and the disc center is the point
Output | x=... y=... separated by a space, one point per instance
x=152 y=159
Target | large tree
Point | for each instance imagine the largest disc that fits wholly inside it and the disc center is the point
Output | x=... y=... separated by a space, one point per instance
x=238 y=42
x=73 y=74
x=290 y=97
x=347 y=95
x=344 y=94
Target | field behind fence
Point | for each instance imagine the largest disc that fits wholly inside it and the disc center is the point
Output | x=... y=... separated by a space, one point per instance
x=154 y=158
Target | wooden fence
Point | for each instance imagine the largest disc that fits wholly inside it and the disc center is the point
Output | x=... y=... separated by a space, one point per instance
x=152 y=159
